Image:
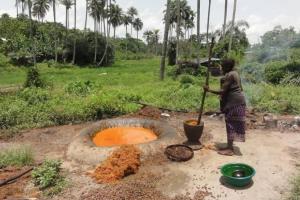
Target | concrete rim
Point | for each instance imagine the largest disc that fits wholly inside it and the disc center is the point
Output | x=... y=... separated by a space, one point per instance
x=83 y=150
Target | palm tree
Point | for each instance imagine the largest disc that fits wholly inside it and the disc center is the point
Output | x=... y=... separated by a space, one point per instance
x=148 y=35
x=198 y=32
x=165 y=42
x=29 y=3
x=68 y=4
x=132 y=12
x=178 y=14
x=208 y=23
x=74 y=44
x=17 y=6
x=54 y=18
x=225 y=18
x=115 y=17
x=95 y=9
x=156 y=39
x=40 y=9
x=232 y=25
x=126 y=22
x=24 y=3
x=86 y=13
x=137 y=25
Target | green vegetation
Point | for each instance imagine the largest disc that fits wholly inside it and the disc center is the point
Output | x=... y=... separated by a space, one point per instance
x=84 y=94
x=295 y=192
x=19 y=157
x=47 y=177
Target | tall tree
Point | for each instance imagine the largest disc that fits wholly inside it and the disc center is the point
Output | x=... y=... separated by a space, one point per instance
x=232 y=25
x=115 y=17
x=24 y=3
x=156 y=39
x=86 y=13
x=148 y=35
x=132 y=12
x=178 y=15
x=165 y=42
x=55 y=32
x=74 y=43
x=137 y=25
x=29 y=3
x=17 y=6
x=95 y=9
x=208 y=23
x=225 y=18
x=68 y=4
x=126 y=22
x=198 y=32
x=40 y=9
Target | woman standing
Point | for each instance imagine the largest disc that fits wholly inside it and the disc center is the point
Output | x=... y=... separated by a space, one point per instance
x=233 y=104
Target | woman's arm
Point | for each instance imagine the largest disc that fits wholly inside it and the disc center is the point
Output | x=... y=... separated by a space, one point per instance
x=224 y=89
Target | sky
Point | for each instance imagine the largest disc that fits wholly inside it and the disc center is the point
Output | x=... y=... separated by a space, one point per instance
x=262 y=15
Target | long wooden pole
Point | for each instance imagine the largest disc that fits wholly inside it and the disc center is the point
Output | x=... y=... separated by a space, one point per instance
x=206 y=81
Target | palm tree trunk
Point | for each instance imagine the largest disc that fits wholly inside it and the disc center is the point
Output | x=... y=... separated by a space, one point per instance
x=208 y=23
x=114 y=32
x=126 y=41
x=74 y=45
x=165 y=42
x=107 y=37
x=86 y=14
x=137 y=34
x=17 y=6
x=225 y=18
x=55 y=42
x=31 y=33
x=232 y=26
x=177 y=30
x=198 y=32
x=23 y=7
x=96 y=41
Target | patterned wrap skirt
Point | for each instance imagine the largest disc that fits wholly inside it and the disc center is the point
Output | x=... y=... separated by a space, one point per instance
x=235 y=119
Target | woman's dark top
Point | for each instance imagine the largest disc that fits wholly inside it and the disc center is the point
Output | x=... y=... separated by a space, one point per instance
x=233 y=91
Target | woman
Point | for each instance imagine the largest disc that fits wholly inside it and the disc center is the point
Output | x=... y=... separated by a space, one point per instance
x=233 y=104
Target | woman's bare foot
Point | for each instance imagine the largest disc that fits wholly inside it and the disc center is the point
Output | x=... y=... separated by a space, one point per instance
x=226 y=152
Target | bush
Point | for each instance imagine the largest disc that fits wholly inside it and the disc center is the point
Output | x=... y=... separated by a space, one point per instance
x=33 y=78
x=275 y=71
x=34 y=96
x=48 y=178
x=16 y=157
x=186 y=79
x=79 y=88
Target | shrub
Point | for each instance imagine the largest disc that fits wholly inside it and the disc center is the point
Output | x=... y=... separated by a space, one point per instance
x=34 y=96
x=275 y=71
x=48 y=178
x=33 y=78
x=186 y=79
x=16 y=157
x=79 y=88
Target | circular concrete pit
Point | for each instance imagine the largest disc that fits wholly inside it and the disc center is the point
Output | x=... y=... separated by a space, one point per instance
x=96 y=142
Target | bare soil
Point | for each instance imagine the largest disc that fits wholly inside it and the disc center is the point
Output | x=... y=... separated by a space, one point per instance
x=274 y=154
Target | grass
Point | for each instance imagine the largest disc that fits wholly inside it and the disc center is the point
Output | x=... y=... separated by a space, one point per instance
x=84 y=94
x=16 y=157
x=295 y=192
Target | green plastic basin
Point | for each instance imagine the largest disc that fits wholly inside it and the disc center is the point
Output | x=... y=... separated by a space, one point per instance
x=229 y=170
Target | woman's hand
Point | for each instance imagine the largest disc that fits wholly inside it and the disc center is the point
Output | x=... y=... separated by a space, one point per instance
x=206 y=88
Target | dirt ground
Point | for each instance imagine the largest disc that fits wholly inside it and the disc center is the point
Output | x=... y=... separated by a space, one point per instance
x=274 y=155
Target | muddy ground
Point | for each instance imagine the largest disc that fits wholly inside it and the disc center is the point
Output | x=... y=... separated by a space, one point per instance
x=274 y=155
